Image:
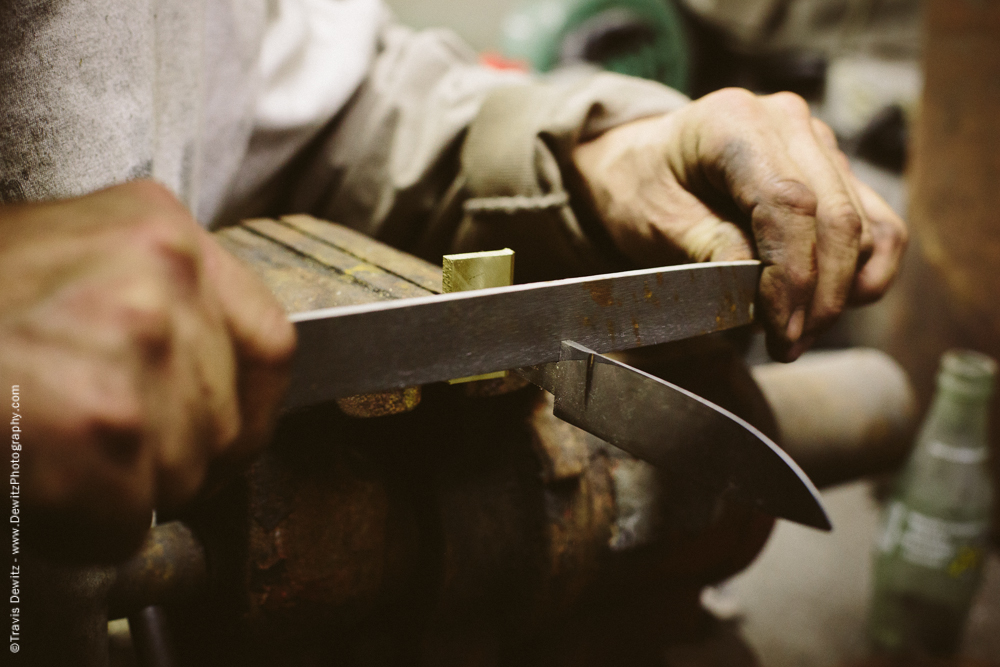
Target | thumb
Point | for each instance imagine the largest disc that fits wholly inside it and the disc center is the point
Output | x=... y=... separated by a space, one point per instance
x=712 y=239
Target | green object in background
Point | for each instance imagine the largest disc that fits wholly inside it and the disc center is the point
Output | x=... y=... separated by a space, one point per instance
x=929 y=556
x=642 y=38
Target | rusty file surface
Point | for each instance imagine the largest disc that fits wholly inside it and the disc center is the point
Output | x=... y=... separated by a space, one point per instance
x=402 y=343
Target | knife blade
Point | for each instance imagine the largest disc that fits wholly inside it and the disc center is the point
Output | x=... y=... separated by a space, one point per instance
x=357 y=349
x=679 y=431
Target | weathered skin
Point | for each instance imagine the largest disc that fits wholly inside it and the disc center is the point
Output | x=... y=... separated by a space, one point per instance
x=733 y=176
x=143 y=353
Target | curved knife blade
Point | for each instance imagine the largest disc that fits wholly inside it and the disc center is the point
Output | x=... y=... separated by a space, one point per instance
x=673 y=428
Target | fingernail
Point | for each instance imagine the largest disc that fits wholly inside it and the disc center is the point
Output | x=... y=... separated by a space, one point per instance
x=795 y=324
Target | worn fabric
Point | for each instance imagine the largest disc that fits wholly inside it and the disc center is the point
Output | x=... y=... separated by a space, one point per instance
x=97 y=92
x=78 y=85
x=247 y=107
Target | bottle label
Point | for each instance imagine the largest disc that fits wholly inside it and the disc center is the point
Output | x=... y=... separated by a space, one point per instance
x=955 y=547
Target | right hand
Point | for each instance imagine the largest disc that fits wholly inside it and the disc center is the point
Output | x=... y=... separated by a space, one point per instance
x=144 y=354
x=734 y=175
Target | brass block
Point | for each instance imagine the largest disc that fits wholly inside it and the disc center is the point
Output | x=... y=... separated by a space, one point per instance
x=478 y=270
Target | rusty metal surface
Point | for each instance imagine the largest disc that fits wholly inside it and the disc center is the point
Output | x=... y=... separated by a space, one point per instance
x=491 y=543
x=496 y=540
x=406 y=266
x=310 y=264
x=643 y=605
x=299 y=283
x=355 y=349
x=381 y=403
x=170 y=567
x=66 y=615
x=293 y=253
x=382 y=282
x=466 y=532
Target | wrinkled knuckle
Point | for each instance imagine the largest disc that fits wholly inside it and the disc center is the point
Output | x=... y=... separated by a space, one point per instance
x=171 y=242
x=822 y=127
x=800 y=281
x=890 y=234
x=792 y=104
x=847 y=219
x=728 y=244
x=735 y=95
x=793 y=195
x=166 y=233
x=800 y=275
x=150 y=325
x=824 y=131
x=734 y=100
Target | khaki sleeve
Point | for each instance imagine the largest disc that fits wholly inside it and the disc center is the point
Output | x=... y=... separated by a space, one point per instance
x=438 y=154
x=518 y=177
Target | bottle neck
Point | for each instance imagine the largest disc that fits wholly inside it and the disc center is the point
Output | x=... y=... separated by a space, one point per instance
x=960 y=418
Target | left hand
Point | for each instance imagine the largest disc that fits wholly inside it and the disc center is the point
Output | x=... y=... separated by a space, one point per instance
x=147 y=357
x=733 y=176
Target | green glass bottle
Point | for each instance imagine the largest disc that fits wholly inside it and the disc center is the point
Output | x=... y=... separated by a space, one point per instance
x=930 y=550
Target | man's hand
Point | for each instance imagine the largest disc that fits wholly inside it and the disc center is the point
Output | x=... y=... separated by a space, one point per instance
x=144 y=353
x=733 y=176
